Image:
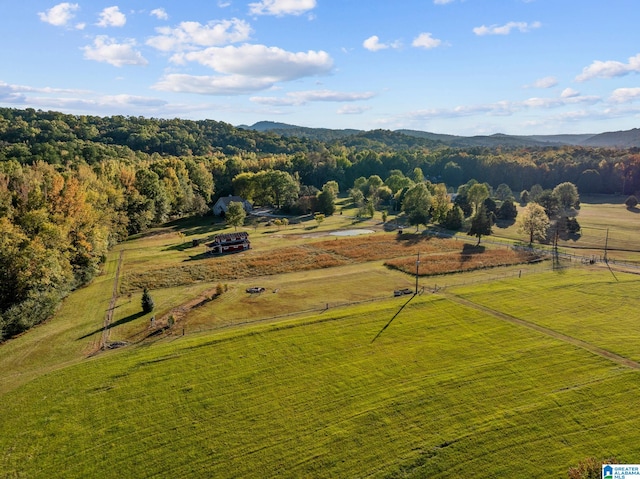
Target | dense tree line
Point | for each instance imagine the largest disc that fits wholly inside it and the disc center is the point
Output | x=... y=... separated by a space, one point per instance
x=56 y=138
x=72 y=186
x=57 y=222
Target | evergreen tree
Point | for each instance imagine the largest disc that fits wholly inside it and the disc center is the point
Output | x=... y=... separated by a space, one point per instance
x=480 y=223
x=507 y=210
x=453 y=219
x=147 y=301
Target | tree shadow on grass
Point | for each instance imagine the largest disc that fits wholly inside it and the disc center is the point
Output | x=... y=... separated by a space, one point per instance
x=196 y=225
x=468 y=250
x=128 y=319
x=412 y=238
x=189 y=244
x=181 y=247
x=503 y=224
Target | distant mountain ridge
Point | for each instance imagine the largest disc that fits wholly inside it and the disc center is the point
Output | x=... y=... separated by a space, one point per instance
x=614 y=139
x=284 y=129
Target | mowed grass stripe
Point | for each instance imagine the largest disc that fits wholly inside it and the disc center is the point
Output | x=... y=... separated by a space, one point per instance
x=550 y=332
x=445 y=389
x=587 y=304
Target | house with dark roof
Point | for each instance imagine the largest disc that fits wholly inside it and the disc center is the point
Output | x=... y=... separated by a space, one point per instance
x=222 y=205
x=229 y=243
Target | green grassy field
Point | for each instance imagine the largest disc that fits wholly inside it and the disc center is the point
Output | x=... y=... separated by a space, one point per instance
x=506 y=372
x=447 y=390
x=598 y=214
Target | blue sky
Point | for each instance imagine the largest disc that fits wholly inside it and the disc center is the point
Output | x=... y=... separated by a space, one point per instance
x=461 y=67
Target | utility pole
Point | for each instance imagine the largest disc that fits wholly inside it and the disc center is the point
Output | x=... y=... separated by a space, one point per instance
x=606 y=243
x=556 y=258
x=417 y=269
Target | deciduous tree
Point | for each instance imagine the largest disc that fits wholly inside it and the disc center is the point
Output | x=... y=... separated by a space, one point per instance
x=533 y=222
x=503 y=192
x=549 y=202
x=440 y=203
x=235 y=214
x=476 y=194
x=567 y=195
x=417 y=205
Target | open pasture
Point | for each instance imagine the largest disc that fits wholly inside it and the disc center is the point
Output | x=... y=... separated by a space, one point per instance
x=443 y=391
x=588 y=304
x=596 y=215
x=450 y=387
x=314 y=254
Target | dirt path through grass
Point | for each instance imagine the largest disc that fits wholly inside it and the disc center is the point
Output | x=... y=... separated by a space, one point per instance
x=549 y=332
x=112 y=304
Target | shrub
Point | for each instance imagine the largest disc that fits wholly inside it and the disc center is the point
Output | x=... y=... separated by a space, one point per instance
x=589 y=468
x=38 y=307
x=631 y=202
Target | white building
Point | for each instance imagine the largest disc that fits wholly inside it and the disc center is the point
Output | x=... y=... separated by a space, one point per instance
x=222 y=205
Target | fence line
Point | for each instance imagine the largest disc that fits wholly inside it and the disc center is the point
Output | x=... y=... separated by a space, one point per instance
x=433 y=288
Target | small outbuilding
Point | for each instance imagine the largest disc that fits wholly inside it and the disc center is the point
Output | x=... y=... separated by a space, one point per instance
x=222 y=205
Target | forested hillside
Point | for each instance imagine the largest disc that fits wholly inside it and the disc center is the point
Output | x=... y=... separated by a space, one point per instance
x=73 y=186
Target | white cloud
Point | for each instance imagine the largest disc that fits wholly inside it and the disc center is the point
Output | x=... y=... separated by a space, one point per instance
x=442 y=2
x=569 y=93
x=132 y=100
x=425 y=40
x=10 y=94
x=105 y=49
x=373 y=44
x=189 y=35
x=212 y=85
x=304 y=97
x=281 y=7
x=112 y=17
x=59 y=15
x=504 y=108
x=610 y=69
x=160 y=13
x=260 y=61
x=352 y=110
x=506 y=29
x=624 y=95
x=546 y=82
x=75 y=99
x=31 y=89
x=244 y=69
